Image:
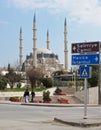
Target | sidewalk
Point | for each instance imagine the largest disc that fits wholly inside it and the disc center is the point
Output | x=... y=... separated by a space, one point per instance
x=80 y=122
x=9 y=102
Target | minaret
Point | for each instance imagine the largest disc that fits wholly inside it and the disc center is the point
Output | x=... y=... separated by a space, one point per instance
x=48 y=41
x=34 y=43
x=65 y=46
x=20 y=48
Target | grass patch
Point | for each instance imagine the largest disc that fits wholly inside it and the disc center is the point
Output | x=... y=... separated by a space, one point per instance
x=38 y=89
x=13 y=90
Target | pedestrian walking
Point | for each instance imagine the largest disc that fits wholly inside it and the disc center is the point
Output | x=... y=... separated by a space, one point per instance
x=32 y=96
x=26 y=95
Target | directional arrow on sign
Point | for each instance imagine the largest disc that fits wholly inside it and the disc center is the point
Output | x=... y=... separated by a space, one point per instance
x=86 y=59
x=85 y=47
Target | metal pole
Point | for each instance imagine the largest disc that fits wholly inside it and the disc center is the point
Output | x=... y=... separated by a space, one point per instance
x=85 y=98
x=76 y=79
x=99 y=87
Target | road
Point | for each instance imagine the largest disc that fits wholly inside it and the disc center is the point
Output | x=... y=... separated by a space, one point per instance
x=21 y=117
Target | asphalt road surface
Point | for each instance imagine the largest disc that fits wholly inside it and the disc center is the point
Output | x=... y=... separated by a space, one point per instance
x=21 y=117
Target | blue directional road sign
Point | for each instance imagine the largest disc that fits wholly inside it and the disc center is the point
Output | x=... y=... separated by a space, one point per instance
x=86 y=59
x=85 y=72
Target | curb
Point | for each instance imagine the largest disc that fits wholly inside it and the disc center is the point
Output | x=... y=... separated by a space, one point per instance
x=45 y=104
x=9 y=102
x=58 y=105
x=79 y=123
x=49 y=104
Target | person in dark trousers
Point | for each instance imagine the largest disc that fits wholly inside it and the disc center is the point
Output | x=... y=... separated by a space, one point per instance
x=26 y=95
x=32 y=96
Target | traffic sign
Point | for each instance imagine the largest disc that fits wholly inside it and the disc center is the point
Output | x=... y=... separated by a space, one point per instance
x=85 y=72
x=85 y=47
x=86 y=59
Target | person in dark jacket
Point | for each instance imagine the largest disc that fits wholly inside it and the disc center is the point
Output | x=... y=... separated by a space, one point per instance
x=26 y=95
x=32 y=96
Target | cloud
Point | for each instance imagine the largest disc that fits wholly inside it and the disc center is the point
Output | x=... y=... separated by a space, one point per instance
x=81 y=11
x=28 y=3
x=85 y=11
x=4 y=22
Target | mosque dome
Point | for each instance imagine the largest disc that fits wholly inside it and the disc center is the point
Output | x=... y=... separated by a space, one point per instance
x=51 y=69
x=43 y=50
x=46 y=53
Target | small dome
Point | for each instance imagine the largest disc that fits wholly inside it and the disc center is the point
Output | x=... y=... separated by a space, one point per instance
x=51 y=69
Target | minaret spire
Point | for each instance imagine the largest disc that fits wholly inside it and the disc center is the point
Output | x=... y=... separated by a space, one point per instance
x=34 y=43
x=48 y=41
x=34 y=20
x=65 y=46
x=20 y=48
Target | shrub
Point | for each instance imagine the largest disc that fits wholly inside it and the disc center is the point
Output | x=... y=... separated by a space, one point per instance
x=62 y=100
x=46 y=96
x=14 y=99
x=58 y=91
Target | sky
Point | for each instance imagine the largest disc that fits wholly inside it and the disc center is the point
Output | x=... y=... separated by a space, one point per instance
x=83 y=24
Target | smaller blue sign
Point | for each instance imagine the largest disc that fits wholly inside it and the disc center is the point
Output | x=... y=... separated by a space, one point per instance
x=85 y=72
x=86 y=59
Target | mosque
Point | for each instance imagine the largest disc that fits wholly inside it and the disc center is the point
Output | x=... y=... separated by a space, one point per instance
x=43 y=58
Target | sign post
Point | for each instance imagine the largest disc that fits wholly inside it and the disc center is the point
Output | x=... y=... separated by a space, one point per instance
x=85 y=57
x=85 y=99
x=85 y=73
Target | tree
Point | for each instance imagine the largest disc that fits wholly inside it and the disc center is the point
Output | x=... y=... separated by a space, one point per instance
x=3 y=83
x=93 y=81
x=60 y=72
x=13 y=77
x=9 y=67
x=34 y=74
x=47 y=82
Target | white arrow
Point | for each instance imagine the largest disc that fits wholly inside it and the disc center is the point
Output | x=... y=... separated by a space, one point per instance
x=96 y=58
x=74 y=48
